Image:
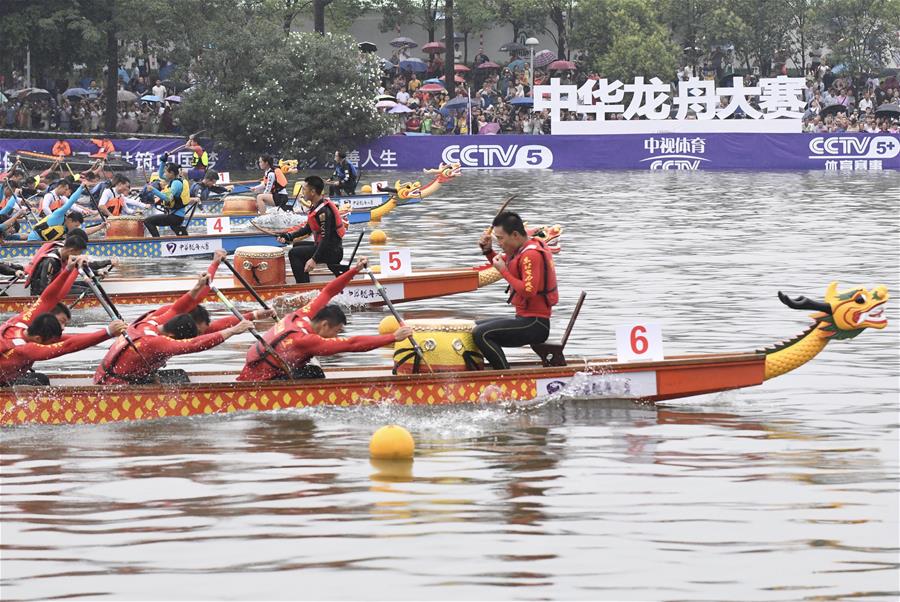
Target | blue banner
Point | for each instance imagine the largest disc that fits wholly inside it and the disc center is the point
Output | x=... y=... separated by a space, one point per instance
x=144 y=154
x=761 y=152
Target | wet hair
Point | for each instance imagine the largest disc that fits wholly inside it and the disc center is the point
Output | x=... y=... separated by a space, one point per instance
x=316 y=183
x=267 y=159
x=173 y=168
x=62 y=308
x=332 y=314
x=342 y=154
x=199 y=315
x=510 y=222
x=120 y=179
x=76 y=239
x=181 y=327
x=212 y=175
x=75 y=216
x=68 y=182
x=46 y=327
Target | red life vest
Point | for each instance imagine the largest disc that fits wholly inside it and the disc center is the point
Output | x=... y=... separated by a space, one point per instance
x=115 y=205
x=32 y=265
x=259 y=352
x=136 y=334
x=550 y=292
x=314 y=223
x=56 y=203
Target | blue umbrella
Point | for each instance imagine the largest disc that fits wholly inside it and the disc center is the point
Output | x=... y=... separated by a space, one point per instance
x=516 y=64
x=523 y=101
x=151 y=98
x=76 y=92
x=414 y=64
x=838 y=69
x=460 y=102
x=386 y=65
x=433 y=80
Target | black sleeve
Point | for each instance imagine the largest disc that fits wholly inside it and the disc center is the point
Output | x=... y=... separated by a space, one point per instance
x=45 y=272
x=99 y=265
x=9 y=269
x=329 y=232
x=304 y=231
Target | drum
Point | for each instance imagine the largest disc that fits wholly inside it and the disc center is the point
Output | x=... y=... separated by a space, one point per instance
x=448 y=347
x=260 y=265
x=239 y=205
x=125 y=226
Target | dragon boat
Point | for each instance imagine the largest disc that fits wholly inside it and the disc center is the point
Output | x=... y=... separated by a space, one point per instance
x=78 y=162
x=72 y=399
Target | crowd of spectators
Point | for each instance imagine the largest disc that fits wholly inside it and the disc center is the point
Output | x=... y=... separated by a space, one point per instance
x=49 y=108
x=847 y=104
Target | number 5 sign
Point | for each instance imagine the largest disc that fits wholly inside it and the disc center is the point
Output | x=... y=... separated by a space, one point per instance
x=639 y=342
x=395 y=262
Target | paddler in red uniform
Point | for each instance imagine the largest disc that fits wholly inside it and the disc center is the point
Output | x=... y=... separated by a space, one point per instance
x=309 y=332
x=177 y=329
x=527 y=265
x=36 y=333
x=324 y=222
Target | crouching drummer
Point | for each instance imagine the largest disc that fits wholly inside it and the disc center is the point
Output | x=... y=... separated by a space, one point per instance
x=309 y=332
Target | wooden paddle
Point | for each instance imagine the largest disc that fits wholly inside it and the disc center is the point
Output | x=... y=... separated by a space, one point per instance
x=508 y=200
x=234 y=310
x=246 y=284
x=390 y=306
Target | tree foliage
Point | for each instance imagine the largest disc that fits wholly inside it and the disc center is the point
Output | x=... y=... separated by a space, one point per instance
x=861 y=33
x=281 y=99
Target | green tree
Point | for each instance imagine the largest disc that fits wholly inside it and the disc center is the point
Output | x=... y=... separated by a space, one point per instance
x=424 y=13
x=520 y=14
x=303 y=98
x=472 y=16
x=861 y=33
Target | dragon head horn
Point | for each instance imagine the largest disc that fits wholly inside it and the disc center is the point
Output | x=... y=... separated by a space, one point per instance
x=804 y=303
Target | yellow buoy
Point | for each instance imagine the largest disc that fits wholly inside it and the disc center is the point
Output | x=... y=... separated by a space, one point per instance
x=366 y=189
x=388 y=325
x=377 y=237
x=392 y=442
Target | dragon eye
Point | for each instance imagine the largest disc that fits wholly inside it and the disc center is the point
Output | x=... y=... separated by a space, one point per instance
x=860 y=299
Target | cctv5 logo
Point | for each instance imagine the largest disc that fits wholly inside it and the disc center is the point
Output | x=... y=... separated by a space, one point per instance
x=853 y=147
x=528 y=156
x=675 y=163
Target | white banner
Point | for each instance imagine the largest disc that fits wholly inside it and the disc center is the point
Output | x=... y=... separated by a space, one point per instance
x=180 y=248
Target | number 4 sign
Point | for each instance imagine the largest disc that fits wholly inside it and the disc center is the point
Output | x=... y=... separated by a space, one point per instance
x=639 y=342
x=395 y=262
x=218 y=225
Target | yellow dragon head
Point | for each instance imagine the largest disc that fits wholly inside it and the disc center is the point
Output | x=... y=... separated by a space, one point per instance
x=407 y=190
x=844 y=315
x=549 y=234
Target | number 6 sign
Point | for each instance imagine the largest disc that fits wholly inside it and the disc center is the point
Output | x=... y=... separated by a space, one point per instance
x=639 y=342
x=395 y=262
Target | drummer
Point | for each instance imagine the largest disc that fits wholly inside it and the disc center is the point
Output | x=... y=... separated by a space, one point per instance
x=325 y=223
x=174 y=196
x=311 y=331
x=273 y=188
x=180 y=328
x=36 y=333
x=114 y=199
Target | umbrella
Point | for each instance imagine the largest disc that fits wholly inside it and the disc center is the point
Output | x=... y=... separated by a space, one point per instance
x=460 y=102
x=400 y=109
x=838 y=69
x=888 y=108
x=516 y=64
x=488 y=65
x=458 y=79
x=385 y=104
x=561 y=66
x=434 y=47
x=3 y=98
x=386 y=97
x=151 y=98
x=522 y=101
x=367 y=47
x=460 y=68
x=176 y=86
x=433 y=80
x=33 y=93
x=76 y=92
x=544 y=58
x=414 y=64
x=489 y=128
x=889 y=82
x=386 y=65
x=173 y=98
x=126 y=96
x=403 y=41
x=513 y=47
x=833 y=109
x=432 y=88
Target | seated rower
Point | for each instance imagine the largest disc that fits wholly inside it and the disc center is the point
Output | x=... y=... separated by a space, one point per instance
x=36 y=333
x=309 y=332
x=62 y=218
x=51 y=257
x=175 y=196
x=273 y=188
x=114 y=198
x=207 y=186
x=11 y=223
x=325 y=223
x=527 y=265
x=12 y=269
x=180 y=328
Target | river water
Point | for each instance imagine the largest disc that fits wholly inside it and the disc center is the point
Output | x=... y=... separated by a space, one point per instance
x=786 y=491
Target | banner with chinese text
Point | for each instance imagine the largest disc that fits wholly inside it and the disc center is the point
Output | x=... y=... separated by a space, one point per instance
x=832 y=152
x=145 y=154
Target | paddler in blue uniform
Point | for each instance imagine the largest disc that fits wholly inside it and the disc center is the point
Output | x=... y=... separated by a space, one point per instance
x=174 y=197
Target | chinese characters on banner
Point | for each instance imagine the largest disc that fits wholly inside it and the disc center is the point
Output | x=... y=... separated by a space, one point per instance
x=698 y=106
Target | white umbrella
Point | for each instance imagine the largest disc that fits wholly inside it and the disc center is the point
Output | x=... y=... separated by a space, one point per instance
x=401 y=109
x=385 y=104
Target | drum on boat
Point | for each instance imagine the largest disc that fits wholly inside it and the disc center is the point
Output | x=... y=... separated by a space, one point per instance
x=260 y=265
x=125 y=226
x=448 y=346
x=239 y=205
